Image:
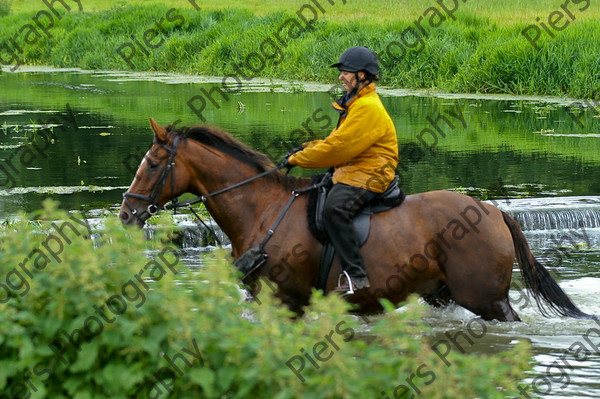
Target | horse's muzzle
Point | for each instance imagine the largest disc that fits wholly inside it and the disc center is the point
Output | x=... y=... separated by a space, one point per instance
x=132 y=216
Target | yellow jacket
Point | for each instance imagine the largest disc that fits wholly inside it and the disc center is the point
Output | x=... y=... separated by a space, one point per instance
x=363 y=148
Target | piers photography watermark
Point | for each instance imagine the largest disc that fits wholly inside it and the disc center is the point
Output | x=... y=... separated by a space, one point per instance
x=270 y=51
x=42 y=24
x=556 y=21
x=49 y=251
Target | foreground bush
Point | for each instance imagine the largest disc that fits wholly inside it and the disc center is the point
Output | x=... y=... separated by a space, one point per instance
x=86 y=321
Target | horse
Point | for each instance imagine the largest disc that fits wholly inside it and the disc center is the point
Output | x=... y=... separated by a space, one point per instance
x=444 y=246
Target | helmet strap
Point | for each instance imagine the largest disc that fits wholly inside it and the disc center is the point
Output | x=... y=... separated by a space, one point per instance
x=359 y=81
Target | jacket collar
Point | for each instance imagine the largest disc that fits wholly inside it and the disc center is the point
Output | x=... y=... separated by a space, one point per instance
x=344 y=102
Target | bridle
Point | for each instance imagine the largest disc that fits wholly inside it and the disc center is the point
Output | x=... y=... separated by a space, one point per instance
x=157 y=190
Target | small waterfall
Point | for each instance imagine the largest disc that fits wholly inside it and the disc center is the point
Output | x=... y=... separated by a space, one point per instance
x=191 y=235
x=556 y=213
x=198 y=236
x=559 y=219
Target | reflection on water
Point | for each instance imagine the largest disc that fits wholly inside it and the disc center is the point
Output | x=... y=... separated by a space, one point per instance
x=82 y=129
x=78 y=137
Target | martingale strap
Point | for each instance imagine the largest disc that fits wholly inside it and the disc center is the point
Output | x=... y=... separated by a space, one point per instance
x=255 y=257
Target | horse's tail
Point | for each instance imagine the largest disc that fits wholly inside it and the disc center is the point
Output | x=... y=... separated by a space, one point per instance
x=549 y=297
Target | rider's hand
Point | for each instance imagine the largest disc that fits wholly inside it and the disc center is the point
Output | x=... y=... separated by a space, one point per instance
x=285 y=164
x=294 y=150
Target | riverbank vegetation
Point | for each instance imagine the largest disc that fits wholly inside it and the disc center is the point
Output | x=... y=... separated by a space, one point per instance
x=479 y=47
x=121 y=316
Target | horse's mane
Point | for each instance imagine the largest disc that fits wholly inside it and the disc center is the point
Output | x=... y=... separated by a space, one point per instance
x=224 y=142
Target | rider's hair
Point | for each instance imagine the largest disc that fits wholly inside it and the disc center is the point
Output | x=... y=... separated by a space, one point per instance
x=372 y=78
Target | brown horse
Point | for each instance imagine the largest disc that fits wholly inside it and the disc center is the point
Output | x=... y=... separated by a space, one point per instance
x=441 y=245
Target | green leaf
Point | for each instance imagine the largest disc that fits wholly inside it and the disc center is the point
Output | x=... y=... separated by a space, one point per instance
x=152 y=340
x=205 y=378
x=7 y=368
x=50 y=326
x=118 y=377
x=41 y=392
x=26 y=349
x=86 y=358
x=112 y=338
x=225 y=377
x=73 y=383
x=82 y=395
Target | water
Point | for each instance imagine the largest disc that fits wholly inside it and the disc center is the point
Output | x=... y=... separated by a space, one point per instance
x=525 y=154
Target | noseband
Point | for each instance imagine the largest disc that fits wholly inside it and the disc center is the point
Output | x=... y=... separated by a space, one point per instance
x=158 y=187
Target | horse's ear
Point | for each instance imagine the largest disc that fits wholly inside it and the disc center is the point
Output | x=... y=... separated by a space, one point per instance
x=159 y=131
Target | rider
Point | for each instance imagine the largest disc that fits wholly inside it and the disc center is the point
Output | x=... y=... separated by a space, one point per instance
x=363 y=149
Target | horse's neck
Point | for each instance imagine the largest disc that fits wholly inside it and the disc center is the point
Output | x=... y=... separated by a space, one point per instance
x=244 y=213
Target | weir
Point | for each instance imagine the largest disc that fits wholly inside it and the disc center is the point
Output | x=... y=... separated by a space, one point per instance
x=555 y=213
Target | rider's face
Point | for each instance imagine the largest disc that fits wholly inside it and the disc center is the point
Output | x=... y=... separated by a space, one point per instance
x=348 y=79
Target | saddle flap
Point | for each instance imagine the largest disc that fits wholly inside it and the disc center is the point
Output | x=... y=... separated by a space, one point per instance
x=392 y=197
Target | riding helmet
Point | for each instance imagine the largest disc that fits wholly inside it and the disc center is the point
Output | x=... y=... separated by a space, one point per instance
x=358 y=59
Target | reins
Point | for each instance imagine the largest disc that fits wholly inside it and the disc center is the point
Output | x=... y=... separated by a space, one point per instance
x=202 y=198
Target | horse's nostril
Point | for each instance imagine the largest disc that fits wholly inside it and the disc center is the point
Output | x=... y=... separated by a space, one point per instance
x=124 y=215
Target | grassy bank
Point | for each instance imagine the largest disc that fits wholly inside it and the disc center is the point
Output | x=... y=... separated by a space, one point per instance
x=477 y=48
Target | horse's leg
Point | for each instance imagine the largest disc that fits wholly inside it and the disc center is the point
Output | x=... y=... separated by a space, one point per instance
x=499 y=309
x=483 y=290
x=439 y=296
x=503 y=307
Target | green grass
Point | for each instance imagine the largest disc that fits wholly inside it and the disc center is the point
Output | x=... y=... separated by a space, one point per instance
x=483 y=50
x=507 y=12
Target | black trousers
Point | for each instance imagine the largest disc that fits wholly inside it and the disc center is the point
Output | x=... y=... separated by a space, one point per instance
x=341 y=205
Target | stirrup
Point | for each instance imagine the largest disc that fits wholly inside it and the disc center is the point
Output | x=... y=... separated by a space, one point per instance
x=350 y=285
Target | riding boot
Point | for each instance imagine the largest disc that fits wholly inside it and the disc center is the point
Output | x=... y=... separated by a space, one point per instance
x=342 y=204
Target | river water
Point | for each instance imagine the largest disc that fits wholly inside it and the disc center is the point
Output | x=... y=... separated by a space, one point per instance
x=527 y=155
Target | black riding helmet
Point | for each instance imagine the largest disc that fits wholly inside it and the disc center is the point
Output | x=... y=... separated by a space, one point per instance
x=357 y=59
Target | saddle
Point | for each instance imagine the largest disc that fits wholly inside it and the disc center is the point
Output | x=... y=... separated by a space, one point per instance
x=392 y=197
